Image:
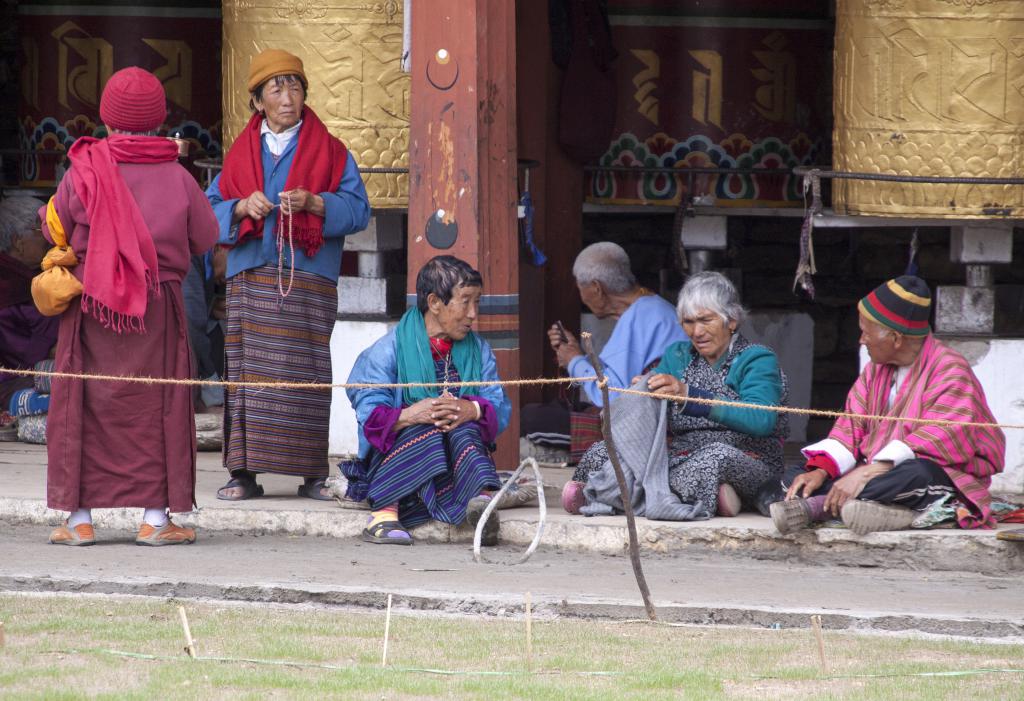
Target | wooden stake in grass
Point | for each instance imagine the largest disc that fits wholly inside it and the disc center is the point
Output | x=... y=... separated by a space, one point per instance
x=190 y=645
x=816 y=626
x=529 y=633
x=387 y=632
x=627 y=502
x=1 y=633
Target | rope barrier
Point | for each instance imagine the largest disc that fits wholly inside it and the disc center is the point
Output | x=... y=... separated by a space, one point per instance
x=289 y=385
x=343 y=668
x=823 y=413
x=525 y=673
x=815 y=412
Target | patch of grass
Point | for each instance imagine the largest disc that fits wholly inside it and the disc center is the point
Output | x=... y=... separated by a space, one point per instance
x=54 y=651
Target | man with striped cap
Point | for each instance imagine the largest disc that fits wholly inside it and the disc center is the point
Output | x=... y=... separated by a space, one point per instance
x=907 y=448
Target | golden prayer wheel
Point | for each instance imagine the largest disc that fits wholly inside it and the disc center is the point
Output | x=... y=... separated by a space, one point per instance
x=352 y=56
x=929 y=88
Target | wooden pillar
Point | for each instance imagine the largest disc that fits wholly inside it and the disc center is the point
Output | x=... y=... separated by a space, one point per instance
x=462 y=164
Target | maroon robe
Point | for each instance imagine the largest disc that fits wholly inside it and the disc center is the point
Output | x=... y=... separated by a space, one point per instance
x=118 y=444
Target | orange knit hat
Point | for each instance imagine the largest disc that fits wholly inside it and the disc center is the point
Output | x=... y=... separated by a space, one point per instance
x=274 y=62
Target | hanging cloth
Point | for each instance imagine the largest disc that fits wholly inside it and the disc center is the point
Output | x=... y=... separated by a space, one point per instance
x=806 y=267
x=537 y=256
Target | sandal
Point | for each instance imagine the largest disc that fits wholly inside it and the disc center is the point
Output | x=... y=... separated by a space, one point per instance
x=386 y=533
x=314 y=490
x=250 y=489
x=82 y=534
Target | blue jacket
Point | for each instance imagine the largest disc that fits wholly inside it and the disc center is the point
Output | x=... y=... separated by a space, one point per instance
x=379 y=364
x=346 y=211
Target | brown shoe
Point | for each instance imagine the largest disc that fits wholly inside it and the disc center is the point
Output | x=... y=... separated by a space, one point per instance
x=1014 y=535
x=475 y=509
x=168 y=534
x=791 y=515
x=82 y=534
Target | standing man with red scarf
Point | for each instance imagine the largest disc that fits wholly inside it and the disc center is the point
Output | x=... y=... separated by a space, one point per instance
x=288 y=195
x=133 y=217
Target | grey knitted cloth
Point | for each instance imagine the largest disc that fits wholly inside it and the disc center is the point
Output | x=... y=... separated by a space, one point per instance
x=643 y=453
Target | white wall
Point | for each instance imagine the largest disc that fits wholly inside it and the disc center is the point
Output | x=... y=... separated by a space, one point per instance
x=791 y=336
x=348 y=340
x=997 y=363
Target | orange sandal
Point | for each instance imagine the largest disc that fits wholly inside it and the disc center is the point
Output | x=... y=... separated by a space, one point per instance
x=168 y=534
x=82 y=534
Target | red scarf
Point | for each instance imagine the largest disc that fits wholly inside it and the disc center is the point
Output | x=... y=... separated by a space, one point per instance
x=318 y=165
x=121 y=266
x=440 y=347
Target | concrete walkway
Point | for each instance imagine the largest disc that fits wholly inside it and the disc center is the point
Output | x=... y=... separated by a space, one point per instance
x=749 y=536
x=699 y=573
x=443 y=578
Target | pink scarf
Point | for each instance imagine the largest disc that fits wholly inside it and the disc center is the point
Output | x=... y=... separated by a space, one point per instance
x=121 y=266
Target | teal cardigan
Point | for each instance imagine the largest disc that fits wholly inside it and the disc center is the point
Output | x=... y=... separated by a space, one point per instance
x=754 y=375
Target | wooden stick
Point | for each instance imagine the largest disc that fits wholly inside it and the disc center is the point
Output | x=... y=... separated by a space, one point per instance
x=627 y=503
x=529 y=633
x=816 y=625
x=387 y=633
x=1 y=633
x=190 y=646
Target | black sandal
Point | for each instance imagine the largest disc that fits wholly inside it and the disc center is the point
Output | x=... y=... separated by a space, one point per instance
x=250 y=489
x=314 y=490
x=380 y=533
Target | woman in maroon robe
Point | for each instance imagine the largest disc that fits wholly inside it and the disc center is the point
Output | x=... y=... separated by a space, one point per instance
x=133 y=216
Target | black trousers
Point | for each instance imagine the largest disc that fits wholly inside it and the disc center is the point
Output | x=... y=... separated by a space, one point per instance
x=915 y=484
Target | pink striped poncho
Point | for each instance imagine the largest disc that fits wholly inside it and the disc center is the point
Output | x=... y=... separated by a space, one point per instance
x=941 y=385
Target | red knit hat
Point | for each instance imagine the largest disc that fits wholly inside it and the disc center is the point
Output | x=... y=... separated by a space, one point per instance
x=133 y=100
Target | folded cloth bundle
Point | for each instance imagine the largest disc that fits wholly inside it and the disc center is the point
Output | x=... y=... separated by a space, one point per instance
x=521 y=493
x=28 y=402
x=42 y=381
x=32 y=429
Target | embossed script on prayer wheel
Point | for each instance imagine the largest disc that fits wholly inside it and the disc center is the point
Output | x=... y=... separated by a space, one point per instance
x=352 y=56
x=929 y=88
x=730 y=84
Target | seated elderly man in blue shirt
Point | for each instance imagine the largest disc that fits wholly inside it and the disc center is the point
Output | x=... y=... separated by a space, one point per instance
x=645 y=326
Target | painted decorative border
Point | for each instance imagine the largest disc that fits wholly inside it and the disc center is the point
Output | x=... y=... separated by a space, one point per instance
x=50 y=135
x=735 y=151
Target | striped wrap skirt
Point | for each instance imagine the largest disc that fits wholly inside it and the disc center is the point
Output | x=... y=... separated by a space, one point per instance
x=271 y=338
x=430 y=474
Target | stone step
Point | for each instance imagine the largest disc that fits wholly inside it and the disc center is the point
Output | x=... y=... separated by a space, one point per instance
x=748 y=536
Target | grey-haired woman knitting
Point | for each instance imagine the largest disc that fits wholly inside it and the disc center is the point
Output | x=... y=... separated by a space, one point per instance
x=718 y=455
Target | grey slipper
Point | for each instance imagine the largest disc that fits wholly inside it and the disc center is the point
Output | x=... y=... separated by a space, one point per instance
x=863 y=517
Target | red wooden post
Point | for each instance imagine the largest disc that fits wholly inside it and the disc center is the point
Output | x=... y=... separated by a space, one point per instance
x=462 y=164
